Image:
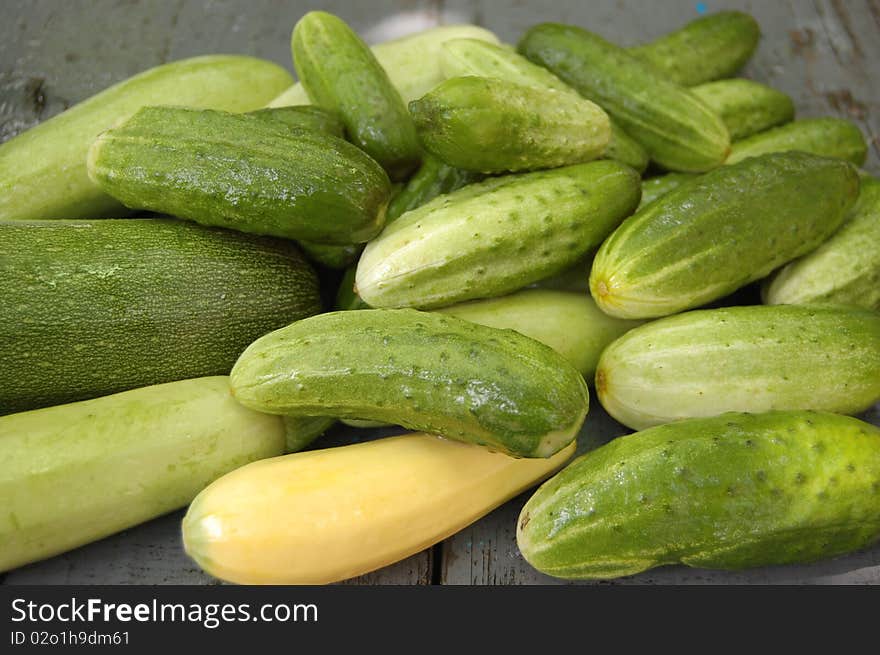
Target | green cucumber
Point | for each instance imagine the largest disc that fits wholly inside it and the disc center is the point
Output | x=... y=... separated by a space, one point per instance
x=301 y=431
x=721 y=231
x=340 y=73
x=304 y=117
x=43 y=170
x=89 y=308
x=827 y=137
x=76 y=473
x=346 y=298
x=706 y=49
x=729 y=492
x=332 y=256
x=249 y=175
x=843 y=270
x=421 y=370
x=412 y=62
x=746 y=107
x=659 y=186
x=434 y=178
x=491 y=125
x=676 y=128
x=495 y=236
x=575 y=278
x=745 y=359
x=460 y=57
x=364 y=425
x=570 y=323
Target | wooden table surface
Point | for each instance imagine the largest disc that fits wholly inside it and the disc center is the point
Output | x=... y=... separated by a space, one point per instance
x=824 y=54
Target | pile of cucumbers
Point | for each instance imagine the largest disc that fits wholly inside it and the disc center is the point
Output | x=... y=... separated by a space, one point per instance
x=511 y=226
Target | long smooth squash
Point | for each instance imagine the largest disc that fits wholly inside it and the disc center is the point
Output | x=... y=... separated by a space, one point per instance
x=327 y=515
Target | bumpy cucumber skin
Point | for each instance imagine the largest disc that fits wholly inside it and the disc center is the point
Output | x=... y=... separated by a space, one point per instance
x=340 y=73
x=495 y=236
x=421 y=370
x=570 y=323
x=657 y=187
x=706 y=49
x=746 y=107
x=728 y=492
x=721 y=231
x=491 y=126
x=43 y=171
x=843 y=270
x=676 y=128
x=434 y=178
x=249 y=175
x=301 y=431
x=748 y=359
x=76 y=473
x=90 y=308
x=827 y=137
x=304 y=117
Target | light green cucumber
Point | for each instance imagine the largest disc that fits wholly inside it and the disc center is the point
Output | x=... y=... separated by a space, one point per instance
x=434 y=178
x=43 y=170
x=828 y=137
x=729 y=492
x=304 y=117
x=708 y=48
x=301 y=431
x=412 y=62
x=76 y=473
x=745 y=359
x=843 y=270
x=460 y=57
x=422 y=370
x=90 y=308
x=676 y=128
x=495 y=236
x=491 y=125
x=340 y=73
x=570 y=323
x=229 y=170
x=746 y=107
x=720 y=231
x=659 y=186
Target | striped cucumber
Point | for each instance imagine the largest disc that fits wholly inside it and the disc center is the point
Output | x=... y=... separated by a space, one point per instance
x=747 y=359
x=495 y=236
x=827 y=137
x=434 y=178
x=729 y=492
x=720 y=231
x=76 y=473
x=421 y=370
x=746 y=107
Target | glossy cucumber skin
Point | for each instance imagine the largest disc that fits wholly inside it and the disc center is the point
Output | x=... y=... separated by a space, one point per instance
x=659 y=186
x=421 y=370
x=434 y=178
x=461 y=57
x=843 y=270
x=304 y=117
x=747 y=359
x=827 y=137
x=728 y=492
x=43 y=170
x=706 y=49
x=238 y=172
x=340 y=73
x=90 y=308
x=746 y=107
x=76 y=473
x=676 y=128
x=570 y=323
x=721 y=231
x=495 y=236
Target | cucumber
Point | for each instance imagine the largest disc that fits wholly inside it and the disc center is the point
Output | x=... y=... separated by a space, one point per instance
x=659 y=186
x=490 y=125
x=496 y=236
x=90 y=308
x=421 y=370
x=570 y=323
x=461 y=57
x=43 y=170
x=249 y=175
x=346 y=298
x=729 y=492
x=843 y=270
x=575 y=278
x=301 y=431
x=332 y=256
x=364 y=425
x=747 y=359
x=76 y=473
x=434 y=178
x=708 y=48
x=676 y=128
x=412 y=62
x=720 y=231
x=305 y=117
x=746 y=107
x=327 y=515
x=827 y=137
x=340 y=73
